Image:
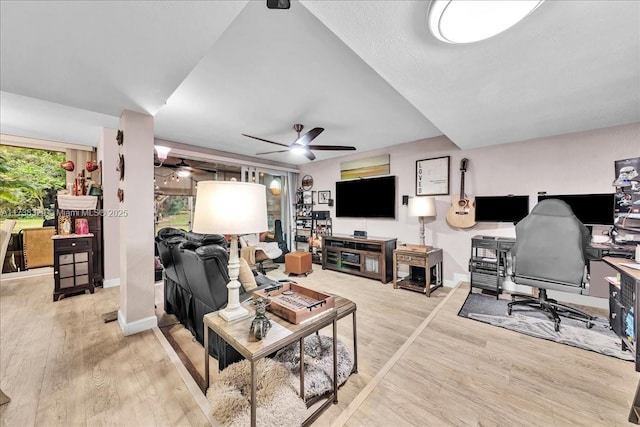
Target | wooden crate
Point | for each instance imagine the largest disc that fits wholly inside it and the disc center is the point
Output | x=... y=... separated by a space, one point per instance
x=303 y=304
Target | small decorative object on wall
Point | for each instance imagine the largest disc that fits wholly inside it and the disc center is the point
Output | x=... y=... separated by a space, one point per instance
x=307 y=182
x=120 y=137
x=379 y=165
x=432 y=176
x=68 y=166
x=120 y=167
x=91 y=166
x=627 y=172
x=323 y=197
x=120 y=195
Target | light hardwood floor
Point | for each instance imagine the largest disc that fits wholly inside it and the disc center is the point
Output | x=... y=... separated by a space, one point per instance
x=63 y=366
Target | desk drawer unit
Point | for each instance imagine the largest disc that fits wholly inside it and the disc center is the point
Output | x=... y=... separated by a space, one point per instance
x=616 y=309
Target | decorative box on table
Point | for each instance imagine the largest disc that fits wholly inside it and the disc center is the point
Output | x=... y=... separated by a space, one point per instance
x=295 y=303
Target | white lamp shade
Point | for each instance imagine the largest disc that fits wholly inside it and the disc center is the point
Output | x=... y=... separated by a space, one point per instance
x=422 y=206
x=230 y=207
x=163 y=152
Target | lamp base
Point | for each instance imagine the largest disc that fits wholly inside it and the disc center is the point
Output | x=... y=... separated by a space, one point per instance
x=234 y=314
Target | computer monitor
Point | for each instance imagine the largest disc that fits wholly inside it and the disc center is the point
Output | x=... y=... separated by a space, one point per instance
x=591 y=209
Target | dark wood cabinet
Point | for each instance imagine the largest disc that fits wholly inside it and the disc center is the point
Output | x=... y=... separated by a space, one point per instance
x=369 y=257
x=73 y=265
x=94 y=219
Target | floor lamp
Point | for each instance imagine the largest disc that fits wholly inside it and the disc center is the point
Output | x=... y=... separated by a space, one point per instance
x=421 y=207
x=233 y=208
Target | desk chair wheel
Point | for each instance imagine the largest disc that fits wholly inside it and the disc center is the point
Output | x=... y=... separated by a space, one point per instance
x=590 y=325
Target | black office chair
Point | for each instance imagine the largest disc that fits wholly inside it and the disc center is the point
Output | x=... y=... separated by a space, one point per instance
x=550 y=254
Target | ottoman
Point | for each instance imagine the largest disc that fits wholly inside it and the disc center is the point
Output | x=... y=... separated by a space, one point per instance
x=297 y=262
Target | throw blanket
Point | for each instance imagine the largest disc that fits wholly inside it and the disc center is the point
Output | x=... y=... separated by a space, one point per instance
x=249 y=254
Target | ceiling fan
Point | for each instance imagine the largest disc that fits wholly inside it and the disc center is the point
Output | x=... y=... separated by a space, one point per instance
x=302 y=143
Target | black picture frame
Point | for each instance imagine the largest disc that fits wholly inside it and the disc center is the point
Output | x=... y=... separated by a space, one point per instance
x=432 y=176
x=324 y=197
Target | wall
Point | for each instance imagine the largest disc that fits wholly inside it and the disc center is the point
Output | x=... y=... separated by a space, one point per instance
x=563 y=164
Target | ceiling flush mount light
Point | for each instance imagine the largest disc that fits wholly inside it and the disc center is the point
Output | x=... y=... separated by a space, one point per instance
x=460 y=21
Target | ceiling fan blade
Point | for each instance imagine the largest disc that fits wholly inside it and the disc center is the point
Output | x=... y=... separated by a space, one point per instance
x=305 y=139
x=309 y=155
x=331 y=147
x=271 y=152
x=265 y=140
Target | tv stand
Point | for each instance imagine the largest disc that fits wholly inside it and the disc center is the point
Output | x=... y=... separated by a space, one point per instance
x=371 y=257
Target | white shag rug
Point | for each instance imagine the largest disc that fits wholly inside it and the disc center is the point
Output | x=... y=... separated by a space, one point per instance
x=278 y=404
x=318 y=364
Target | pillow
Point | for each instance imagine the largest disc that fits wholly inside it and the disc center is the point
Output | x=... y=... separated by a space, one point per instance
x=246 y=277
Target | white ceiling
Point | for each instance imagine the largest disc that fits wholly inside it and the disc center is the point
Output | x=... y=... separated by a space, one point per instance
x=367 y=71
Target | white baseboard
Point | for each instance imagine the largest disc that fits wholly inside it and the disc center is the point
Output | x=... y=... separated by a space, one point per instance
x=137 y=326
x=457 y=278
x=42 y=271
x=111 y=283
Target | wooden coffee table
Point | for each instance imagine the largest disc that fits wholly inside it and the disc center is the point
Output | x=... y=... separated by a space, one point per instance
x=281 y=334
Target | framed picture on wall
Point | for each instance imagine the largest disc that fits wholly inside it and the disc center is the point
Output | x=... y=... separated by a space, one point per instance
x=323 y=197
x=307 y=197
x=432 y=176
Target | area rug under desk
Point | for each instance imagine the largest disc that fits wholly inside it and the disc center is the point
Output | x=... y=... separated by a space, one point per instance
x=535 y=323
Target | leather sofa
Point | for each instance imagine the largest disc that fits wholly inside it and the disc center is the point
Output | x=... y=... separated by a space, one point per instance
x=195 y=283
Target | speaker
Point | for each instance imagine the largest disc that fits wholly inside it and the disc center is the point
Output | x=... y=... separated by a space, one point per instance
x=330 y=202
x=405 y=200
x=278 y=4
x=360 y=233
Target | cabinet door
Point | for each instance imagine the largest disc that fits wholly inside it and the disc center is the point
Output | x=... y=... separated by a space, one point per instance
x=372 y=264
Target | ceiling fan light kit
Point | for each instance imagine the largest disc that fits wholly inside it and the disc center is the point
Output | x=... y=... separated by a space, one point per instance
x=458 y=21
x=302 y=144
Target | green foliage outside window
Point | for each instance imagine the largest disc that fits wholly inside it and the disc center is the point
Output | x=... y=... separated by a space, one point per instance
x=29 y=179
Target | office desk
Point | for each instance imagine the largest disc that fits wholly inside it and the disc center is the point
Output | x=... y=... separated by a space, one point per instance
x=623 y=298
x=624 y=304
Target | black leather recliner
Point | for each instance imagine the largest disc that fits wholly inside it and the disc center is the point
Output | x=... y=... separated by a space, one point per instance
x=177 y=295
x=195 y=283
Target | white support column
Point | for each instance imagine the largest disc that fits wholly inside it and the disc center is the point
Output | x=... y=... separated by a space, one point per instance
x=137 y=292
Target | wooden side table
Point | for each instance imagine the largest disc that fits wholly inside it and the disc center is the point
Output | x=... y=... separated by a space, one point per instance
x=281 y=334
x=425 y=257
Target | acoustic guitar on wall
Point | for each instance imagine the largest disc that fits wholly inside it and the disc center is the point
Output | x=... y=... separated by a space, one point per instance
x=462 y=213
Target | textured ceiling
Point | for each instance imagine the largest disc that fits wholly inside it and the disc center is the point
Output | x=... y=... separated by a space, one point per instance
x=367 y=71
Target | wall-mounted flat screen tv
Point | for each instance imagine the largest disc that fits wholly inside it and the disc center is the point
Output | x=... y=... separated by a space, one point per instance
x=591 y=209
x=501 y=208
x=366 y=198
